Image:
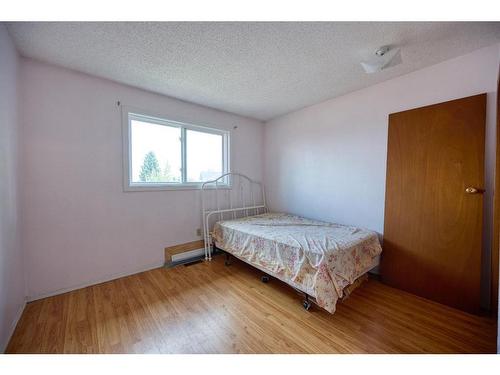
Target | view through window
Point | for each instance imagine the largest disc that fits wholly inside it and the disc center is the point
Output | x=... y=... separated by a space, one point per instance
x=170 y=153
x=204 y=157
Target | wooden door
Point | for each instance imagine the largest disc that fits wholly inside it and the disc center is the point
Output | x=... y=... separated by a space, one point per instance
x=434 y=202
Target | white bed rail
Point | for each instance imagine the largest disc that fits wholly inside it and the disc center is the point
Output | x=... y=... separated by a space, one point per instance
x=230 y=196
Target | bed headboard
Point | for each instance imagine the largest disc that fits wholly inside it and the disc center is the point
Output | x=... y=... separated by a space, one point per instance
x=230 y=196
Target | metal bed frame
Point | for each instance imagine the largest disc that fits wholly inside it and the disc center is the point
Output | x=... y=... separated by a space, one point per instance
x=231 y=196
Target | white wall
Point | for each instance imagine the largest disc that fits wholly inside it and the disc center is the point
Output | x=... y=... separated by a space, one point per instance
x=79 y=225
x=12 y=286
x=328 y=161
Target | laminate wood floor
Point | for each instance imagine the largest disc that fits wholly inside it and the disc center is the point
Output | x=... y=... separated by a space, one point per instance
x=210 y=308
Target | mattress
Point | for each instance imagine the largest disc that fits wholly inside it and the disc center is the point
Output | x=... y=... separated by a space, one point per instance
x=315 y=257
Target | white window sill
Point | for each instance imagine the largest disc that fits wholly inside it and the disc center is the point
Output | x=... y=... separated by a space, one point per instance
x=166 y=187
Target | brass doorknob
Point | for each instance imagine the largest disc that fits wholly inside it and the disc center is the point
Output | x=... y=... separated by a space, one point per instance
x=473 y=190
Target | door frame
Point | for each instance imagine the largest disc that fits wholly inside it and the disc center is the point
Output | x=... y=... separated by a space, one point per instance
x=495 y=249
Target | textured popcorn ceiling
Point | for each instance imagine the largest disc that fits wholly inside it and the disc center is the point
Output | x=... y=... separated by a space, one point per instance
x=260 y=70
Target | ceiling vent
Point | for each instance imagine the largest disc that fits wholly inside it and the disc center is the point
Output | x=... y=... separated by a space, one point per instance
x=383 y=58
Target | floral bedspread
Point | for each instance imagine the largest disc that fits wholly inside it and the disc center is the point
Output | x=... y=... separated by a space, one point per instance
x=316 y=257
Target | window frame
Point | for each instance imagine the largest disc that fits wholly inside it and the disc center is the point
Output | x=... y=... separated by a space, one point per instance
x=130 y=113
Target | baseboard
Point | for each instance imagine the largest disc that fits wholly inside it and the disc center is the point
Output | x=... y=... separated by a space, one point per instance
x=13 y=326
x=113 y=276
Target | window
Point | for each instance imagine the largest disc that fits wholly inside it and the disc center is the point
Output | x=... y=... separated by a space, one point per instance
x=165 y=154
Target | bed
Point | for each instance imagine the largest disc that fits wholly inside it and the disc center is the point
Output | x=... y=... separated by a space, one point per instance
x=325 y=261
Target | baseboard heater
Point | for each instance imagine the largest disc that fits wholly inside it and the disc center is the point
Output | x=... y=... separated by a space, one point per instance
x=186 y=257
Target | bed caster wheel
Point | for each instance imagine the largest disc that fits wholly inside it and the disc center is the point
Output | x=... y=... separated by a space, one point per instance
x=264 y=279
x=227 y=261
x=307 y=305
